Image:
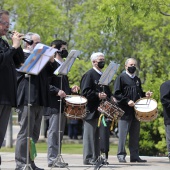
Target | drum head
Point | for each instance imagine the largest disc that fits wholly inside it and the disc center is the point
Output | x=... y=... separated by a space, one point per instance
x=146 y=109
x=76 y=99
x=145 y=105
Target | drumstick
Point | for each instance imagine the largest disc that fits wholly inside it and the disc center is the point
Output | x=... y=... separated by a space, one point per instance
x=141 y=104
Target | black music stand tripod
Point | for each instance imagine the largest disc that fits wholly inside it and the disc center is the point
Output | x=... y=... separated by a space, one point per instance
x=28 y=166
x=63 y=70
x=59 y=157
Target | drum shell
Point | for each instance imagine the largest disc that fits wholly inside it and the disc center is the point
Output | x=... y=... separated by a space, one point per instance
x=73 y=110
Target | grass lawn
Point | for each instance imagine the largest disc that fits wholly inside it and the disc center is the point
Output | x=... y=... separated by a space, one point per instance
x=66 y=148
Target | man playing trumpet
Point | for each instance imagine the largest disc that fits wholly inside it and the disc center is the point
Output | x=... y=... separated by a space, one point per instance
x=10 y=58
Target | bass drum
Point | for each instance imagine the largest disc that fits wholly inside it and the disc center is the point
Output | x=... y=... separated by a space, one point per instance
x=146 y=109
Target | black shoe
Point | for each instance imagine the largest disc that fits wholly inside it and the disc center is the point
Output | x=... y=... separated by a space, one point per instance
x=137 y=160
x=122 y=160
x=0 y=159
x=58 y=164
x=34 y=167
x=90 y=162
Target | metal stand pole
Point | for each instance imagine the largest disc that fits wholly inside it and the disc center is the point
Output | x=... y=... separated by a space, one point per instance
x=28 y=166
x=59 y=157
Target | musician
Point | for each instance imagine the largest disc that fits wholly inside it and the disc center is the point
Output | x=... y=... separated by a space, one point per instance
x=39 y=98
x=95 y=94
x=10 y=58
x=165 y=100
x=127 y=90
x=57 y=93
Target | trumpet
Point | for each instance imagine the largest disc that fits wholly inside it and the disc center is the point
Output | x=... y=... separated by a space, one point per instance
x=30 y=42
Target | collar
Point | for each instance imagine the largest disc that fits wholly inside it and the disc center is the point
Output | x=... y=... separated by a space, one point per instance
x=130 y=75
x=97 y=70
x=26 y=51
x=58 y=61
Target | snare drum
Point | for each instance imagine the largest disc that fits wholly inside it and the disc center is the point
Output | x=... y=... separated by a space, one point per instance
x=110 y=110
x=146 y=109
x=75 y=106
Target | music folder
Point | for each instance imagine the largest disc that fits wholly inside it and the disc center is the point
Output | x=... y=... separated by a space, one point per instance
x=108 y=74
x=37 y=59
x=66 y=66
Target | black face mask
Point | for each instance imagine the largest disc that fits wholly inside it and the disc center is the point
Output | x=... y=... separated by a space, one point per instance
x=131 y=69
x=64 y=53
x=101 y=64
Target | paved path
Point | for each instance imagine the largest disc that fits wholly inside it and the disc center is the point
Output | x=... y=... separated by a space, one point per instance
x=75 y=163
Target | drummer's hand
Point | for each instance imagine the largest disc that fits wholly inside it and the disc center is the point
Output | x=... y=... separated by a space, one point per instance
x=61 y=93
x=148 y=94
x=75 y=89
x=102 y=95
x=131 y=103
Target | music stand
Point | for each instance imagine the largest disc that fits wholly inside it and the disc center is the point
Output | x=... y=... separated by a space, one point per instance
x=105 y=79
x=108 y=74
x=32 y=66
x=60 y=71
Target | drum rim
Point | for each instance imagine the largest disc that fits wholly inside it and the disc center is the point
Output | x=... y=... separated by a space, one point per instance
x=76 y=96
x=145 y=98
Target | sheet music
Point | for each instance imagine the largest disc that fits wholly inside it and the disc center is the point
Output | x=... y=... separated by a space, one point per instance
x=37 y=59
x=108 y=74
x=66 y=66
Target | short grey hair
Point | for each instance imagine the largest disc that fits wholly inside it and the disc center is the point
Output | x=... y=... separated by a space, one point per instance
x=94 y=56
x=126 y=62
x=29 y=36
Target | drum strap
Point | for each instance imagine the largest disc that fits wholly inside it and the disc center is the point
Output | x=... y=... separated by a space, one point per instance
x=111 y=127
x=101 y=118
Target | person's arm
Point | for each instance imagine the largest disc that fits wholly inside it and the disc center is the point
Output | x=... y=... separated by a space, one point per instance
x=19 y=57
x=165 y=95
x=8 y=53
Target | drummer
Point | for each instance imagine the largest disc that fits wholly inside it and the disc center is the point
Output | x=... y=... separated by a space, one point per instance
x=127 y=90
x=94 y=94
x=56 y=93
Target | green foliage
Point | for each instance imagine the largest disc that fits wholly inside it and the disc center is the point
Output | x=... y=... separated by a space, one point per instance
x=77 y=71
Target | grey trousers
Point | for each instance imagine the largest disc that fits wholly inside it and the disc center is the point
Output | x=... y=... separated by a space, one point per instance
x=133 y=128
x=5 y=112
x=36 y=113
x=53 y=136
x=91 y=143
x=167 y=129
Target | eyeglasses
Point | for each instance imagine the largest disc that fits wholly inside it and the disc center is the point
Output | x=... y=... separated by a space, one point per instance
x=5 y=23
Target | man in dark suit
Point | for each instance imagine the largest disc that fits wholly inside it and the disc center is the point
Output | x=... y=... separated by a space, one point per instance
x=165 y=100
x=127 y=90
x=10 y=58
x=94 y=93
